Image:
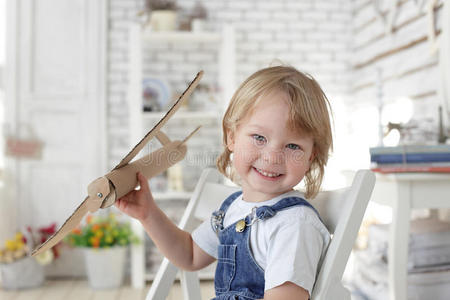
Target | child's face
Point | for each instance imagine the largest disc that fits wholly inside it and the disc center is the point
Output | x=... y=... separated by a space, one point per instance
x=269 y=157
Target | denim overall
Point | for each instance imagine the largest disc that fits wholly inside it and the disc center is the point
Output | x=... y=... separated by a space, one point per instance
x=238 y=276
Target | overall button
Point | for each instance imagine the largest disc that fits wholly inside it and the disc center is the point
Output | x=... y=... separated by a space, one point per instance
x=240 y=226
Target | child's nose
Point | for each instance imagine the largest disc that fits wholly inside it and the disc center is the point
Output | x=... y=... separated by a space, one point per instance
x=273 y=156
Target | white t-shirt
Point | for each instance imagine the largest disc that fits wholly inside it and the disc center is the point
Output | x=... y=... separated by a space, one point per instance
x=288 y=247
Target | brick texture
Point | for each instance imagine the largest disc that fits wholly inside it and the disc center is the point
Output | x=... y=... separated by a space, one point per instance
x=299 y=33
x=294 y=32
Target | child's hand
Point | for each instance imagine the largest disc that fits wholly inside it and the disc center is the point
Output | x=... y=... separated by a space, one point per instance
x=137 y=203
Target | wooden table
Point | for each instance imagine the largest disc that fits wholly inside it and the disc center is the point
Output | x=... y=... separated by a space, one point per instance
x=404 y=192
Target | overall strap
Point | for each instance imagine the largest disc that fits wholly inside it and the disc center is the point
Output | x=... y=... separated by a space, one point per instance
x=265 y=212
x=227 y=202
x=218 y=215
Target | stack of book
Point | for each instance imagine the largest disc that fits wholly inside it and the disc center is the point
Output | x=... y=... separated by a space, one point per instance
x=411 y=158
x=428 y=262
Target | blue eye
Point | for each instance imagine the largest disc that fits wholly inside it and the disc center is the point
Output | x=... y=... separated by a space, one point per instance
x=258 y=138
x=293 y=146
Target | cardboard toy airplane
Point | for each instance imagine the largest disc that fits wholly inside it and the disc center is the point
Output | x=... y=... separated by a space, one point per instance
x=104 y=191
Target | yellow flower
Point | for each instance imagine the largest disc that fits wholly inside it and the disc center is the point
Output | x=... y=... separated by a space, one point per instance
x=11 y=245
x=108 y=239
x=20 y=245
x=95 y=241
x=102 y=231
x=19 y=236
x=99 y=234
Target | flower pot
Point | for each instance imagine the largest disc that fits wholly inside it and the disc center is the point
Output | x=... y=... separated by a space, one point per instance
x=163 y=20
x=22 y=274
x=105 y=266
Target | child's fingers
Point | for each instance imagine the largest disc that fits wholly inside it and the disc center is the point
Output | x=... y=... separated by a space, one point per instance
x=128 y=197
x=124 y=206
x=143 y=182
x=120 y=204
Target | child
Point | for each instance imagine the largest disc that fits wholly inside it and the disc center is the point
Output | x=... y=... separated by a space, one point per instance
x=268 y=240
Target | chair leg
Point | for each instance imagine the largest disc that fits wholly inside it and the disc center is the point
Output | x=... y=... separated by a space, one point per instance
x=190 y=285
x=339 y=292
x=137 y=266
x=163 y=281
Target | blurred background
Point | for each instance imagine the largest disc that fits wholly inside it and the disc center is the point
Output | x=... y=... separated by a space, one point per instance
x=82 y=81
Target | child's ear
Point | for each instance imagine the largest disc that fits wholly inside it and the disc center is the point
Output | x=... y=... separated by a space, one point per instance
x=313 y=155
x=311 y=159
x=230 y=140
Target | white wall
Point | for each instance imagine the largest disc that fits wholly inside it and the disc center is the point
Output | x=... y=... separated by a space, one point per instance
x=408 y=70
x=2 y=75
x=314 y=36
x=341 y=43
x=2 y=31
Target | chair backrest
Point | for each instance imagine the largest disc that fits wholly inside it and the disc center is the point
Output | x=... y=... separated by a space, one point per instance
x=341 y=210
x=206 y=198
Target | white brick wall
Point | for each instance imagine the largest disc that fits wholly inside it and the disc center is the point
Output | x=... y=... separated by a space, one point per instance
x=298 y=32
x=313 y=36
x=406 y=71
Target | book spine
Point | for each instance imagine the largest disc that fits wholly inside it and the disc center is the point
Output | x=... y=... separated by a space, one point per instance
x=410 y=158
x=422 y=164
x=411 y=149
x=411 y=169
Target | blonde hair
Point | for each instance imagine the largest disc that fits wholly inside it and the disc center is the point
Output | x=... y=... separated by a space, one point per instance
x=309 y=109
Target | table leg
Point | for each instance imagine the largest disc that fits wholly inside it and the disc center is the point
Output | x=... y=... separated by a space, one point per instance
x=398 y=243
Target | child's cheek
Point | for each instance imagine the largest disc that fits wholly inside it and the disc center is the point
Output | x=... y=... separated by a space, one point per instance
x=246 y=155
x=297 y=157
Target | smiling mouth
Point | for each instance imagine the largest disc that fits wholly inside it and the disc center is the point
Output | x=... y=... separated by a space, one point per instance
x=267 y=174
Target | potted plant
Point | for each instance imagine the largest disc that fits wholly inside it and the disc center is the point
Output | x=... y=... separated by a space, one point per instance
x=163 y=14
x=18 y=269
x=198 y=17
x=104 y=241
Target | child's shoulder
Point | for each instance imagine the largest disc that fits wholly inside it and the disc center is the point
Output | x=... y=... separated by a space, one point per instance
x=303 y=209
x=300 y=215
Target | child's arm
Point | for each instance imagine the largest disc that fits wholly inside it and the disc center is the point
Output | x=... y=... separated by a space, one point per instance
x=286 y=291
x=175 y=244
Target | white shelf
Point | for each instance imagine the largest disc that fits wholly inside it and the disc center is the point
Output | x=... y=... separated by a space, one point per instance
x=226 y=74
x=183 y=115
x=181 y=36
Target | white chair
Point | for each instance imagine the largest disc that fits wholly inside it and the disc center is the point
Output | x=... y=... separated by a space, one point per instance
x=341 y=210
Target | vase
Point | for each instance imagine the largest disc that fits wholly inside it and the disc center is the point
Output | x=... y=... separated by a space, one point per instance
x=105 y=267
x=22 y=274
x=163 y=20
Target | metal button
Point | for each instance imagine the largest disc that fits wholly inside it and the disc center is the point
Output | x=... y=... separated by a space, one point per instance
x=240 y=226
